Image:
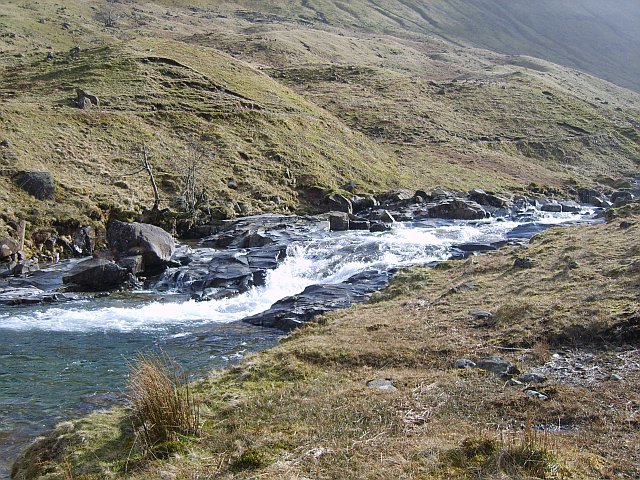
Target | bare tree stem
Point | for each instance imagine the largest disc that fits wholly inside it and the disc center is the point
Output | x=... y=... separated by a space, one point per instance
x=147 y=167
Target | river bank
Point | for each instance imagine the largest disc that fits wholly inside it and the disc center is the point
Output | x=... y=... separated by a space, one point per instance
x=305 y=409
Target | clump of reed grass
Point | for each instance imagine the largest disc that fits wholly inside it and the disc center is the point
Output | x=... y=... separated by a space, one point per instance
x=524 y=455
x=162 y=401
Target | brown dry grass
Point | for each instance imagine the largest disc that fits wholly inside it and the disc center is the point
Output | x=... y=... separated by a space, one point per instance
x=162 y=402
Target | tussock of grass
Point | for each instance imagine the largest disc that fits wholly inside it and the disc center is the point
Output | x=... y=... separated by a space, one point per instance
x=162 y=401
x=522 y=455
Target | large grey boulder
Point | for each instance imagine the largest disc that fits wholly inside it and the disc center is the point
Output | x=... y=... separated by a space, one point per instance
x=551 y=207
x=97 y=274
x=37 y=184
x=84 y=240
x=129 y=239
x=569 y=206
x=457 y=209
x=83 y=95
x=361 y=203
x=590 y=196
x=620 y=197
x=489 y=199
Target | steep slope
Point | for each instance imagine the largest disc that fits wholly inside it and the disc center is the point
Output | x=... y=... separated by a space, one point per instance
x=186 y=104
x=266 y=99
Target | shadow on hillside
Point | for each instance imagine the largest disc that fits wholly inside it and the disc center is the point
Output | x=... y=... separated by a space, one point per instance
x=624 y=331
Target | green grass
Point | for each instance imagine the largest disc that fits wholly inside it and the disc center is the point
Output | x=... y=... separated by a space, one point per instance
x=326 y=105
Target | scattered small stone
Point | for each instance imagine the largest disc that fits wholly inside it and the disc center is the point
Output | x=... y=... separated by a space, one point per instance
x=498 y=365
x=232 y=184
x=463 y=287
x=382 y=384
x=523 y=262
x=625 y=224
x=615 y=377
x=534 y=394
x=378 y=227
x=480 y=314
x=532 y=378
x=512 y=382
x=5 y=143
x=572 y=265
x=465 y=363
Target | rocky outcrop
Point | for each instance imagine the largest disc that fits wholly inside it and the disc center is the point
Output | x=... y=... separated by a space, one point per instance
x=590 y=196
x=569 y=206
x=621 y=197
x=551 y=207
x=339 y=203
x=365 y=202
x=134 y=265
x=84 y=240
x=129 y=239
x=487 y=199
x=358 y=224
x=85 y=99
x=97 y=274
x=25 y=296
x=38 y=184
x=292 y=312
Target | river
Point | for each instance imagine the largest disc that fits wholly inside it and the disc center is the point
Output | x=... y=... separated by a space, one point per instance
x=62 y=360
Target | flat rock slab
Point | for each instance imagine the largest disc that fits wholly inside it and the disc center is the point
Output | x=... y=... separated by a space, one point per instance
x=292 y=312
x=497 y=365
x=30 y=296
x=97 y=274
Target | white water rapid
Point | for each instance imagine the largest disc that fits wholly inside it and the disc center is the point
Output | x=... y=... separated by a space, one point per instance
x=331 y=258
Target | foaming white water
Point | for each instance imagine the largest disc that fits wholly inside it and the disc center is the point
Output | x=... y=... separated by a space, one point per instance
x=332 y=259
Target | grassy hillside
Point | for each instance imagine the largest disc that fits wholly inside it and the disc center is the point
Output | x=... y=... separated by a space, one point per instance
x=305 y=410
x=277 y=97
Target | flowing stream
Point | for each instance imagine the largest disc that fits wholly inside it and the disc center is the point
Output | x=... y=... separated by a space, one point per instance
x=62 y=360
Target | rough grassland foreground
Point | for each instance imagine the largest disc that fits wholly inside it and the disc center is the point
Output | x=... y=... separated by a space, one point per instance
x=304 y=410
